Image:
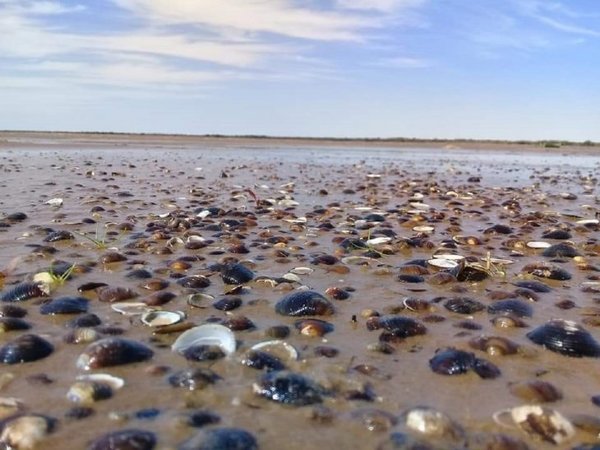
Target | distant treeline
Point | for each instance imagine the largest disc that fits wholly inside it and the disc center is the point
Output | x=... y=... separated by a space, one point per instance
x=540 y=143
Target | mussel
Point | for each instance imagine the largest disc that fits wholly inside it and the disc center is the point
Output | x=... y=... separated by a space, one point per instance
x=304 y=303
x=450 y=361
x=289 y=388
x=565 y=337
x=26 y=348
x=113 y=351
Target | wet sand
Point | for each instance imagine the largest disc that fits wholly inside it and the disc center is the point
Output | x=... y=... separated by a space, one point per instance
x=310 y=198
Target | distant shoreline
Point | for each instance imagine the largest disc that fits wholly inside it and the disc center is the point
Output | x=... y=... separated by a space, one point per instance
x=35 y=139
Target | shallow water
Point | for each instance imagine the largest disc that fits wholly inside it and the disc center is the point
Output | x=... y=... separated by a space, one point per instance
x=333 y=185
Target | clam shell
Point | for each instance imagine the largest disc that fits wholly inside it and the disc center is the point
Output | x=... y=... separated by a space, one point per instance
x=565 y=337
x=538 y=421
x=442 y=263
x=208 y=334
x=278 y=348
x=161 y=318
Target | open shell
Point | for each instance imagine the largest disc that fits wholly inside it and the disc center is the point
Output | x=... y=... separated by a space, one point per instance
x=162 y=318
x=208 y=334
x=279 y=348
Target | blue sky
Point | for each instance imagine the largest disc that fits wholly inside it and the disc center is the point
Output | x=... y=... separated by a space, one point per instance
x=482 y=69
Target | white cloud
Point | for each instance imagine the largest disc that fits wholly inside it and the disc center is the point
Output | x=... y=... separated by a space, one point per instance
x=402 y=62
x=378 y=5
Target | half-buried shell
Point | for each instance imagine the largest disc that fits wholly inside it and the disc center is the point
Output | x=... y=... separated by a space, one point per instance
x=211 y=334
x=565 y=337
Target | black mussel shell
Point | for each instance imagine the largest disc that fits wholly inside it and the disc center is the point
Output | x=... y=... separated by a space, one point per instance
x=26 y=348
x=194 y=282
x=236 y=274
x=200 y=418
x=203 y=353
x=463 y=305
x=10 y=310
x=408 y=278
x=451 y=361
x=556 y=233
x=535 y=286
x=227 y=303
x=13 y=324
x=84 y=321
x=498 y=229
x=65 y=305
x=221 y=439
x=22 y=292
x=139 y=274
x=113 y=351
x=193 y=379
x=289 y=388
x=304 y=303
x=91 y=286
x=62 y=235
x=511 y=307
x=470 y=273
x=562 y=250
x=396 y=328
x=565 y=337
x=129 y=439
x=112 y=294
x=262 y=360
x=551 y=272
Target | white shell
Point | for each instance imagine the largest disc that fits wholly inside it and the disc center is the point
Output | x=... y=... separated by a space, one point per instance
x=161 y=318
x=373 y=175
x=449 y=256
x=114 y=382
x=538 y=244
x=288 y=202
x=499 y=261
x=56 y=202
x=130 y=308
x=588 y=222
x=208 y=334
x=423 y=229
x=302 y=270
x=379 y=240
x=420 y=206
x=279 y=348
x=442 y=263
x=556 y=428
x=292 y=277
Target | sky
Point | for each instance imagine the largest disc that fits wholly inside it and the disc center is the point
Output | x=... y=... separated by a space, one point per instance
x=477 y=69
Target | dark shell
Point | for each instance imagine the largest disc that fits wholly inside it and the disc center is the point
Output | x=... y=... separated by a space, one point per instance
x=535 y=286
x=238 y=323
x=262 y=360
x=113 y=352
x=92 y=285
x=200 y=418
x=463 y=305
x=113 y=294
x=13 y=324
x=22 y=292
x=236 y=274
x=194 y=282
x=10 y=310
x=16 y=217
x=203 y=353
x=193 y=379
x=536 y=391
x=565 y=337
x=304 y=303
x=470 y=273
x=86 y=320
x=56 y=236
x=289 y=388
x=512 y=307
x=451 y=361
x=129 y=439
x=337 y=293
x=498 y=229
x=221 y=439
x=406 y=278
x=154 y=284
x=551 y=272
x=65 y=305
x=278 y=331
x=158 y=298
x=112 y=257
x=227 y=303
x=556 y=234
x=397 y=328
x=26 y=348
x=139 y=274
x=562 y=250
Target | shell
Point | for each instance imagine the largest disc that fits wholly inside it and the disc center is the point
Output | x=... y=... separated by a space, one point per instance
x=289 y=388
x=88 y=392
x=535 y=286
x=463 y=305
x=536 y=391
x=494 y=345
x=227 y=303
x=304 y=303
x=206 y=335
x=552 y=272
x=13 y=324
x=221 y=439
x=112 y=294
x=25 y=348
x=128 y=439
x=396 y=328
x=565 y=337
x=194 y=282
x=27 y=431
x=24 y=291
x=514 y=307
x=451 y=361
x=236 y=274
x=62 y=235
x=432 y=423
x=130 y=308
x=278 y=348
x=562 y=250
x=193 y=379
x=65 y=305
x=161 y=318
x=113 y=351
x=313 y=327
x=260 y=360
x=538 y=421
